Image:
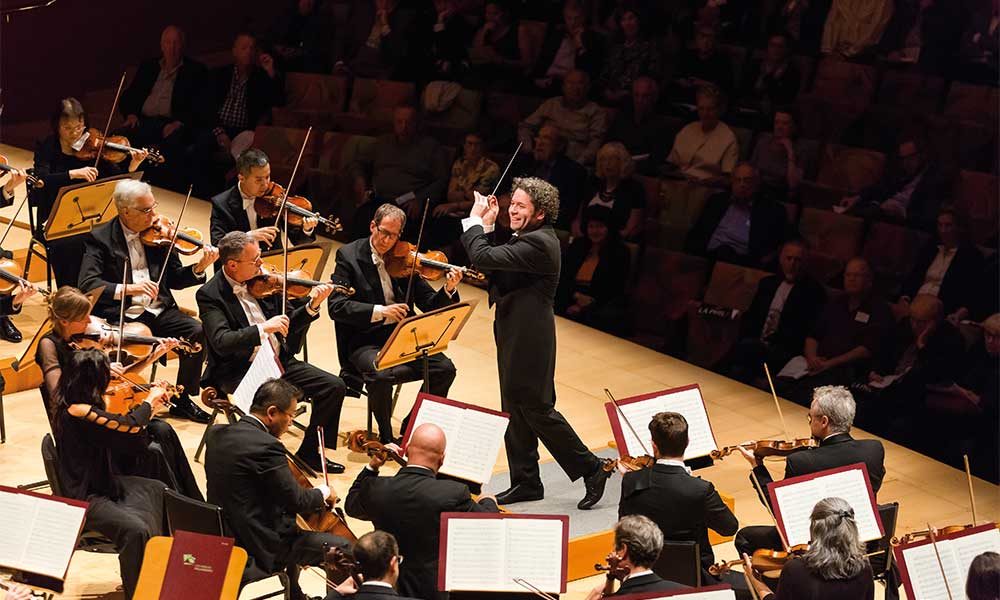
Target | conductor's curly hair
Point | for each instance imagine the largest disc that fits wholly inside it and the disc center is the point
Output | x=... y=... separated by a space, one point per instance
x=543 y=194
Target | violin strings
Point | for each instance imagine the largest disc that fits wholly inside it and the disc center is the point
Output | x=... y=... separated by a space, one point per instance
x=173 y=239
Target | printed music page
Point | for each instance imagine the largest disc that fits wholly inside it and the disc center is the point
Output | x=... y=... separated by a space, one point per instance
x=475 y=554
x=39 y=534
x=473 y=437
x=534 y=554
x=686 y=401
x=956 y=555
x=796 y=501
x=264 y=366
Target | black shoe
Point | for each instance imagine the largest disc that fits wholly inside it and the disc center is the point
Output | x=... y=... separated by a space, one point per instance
x=8 y=331
x=595 y=483
x=333 y=468
x=184 y=408
x=520 y=493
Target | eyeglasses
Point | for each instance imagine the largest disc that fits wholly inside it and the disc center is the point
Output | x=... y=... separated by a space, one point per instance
x=399 y=559
x=389 y=235
x=256 y=261
x=146 y=211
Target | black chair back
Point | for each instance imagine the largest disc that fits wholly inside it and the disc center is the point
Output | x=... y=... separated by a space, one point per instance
x=50 y=460
x=878 y=550
x=192 y=515
x=679 y=562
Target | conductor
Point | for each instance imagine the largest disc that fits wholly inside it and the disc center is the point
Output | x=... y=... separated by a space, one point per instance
x=524 y=274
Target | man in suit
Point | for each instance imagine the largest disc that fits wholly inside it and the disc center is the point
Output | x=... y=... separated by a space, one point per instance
x=247 y=472
x=741 y=227
x=148 y=296
x=237 y=324
x=638 y=542
x=782 y=312
x=831 y=416
x=684 y=507
x=549 y=163
x=409 y=506
x=524 y=275
x=377 y=556
x=366 y=320
x=233 y=209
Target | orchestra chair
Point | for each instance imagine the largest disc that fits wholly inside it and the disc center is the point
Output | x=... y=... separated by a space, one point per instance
x=156 y=558
x=679 y=562
x=879 y=551
x=356 y=382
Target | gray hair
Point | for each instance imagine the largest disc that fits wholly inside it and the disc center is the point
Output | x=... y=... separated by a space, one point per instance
x=232 y=244
x=835 y=551
x=714 y=93
x=836 y=403
x=642 y=537
x=127 y=191
x=543 y=195
x=390 y=211
x=251 y=158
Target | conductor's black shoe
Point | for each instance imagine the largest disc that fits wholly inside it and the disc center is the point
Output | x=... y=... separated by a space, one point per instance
x=8 y=331
x=520 y=493
x=595 y=483
x=184 y=408
x=332 y=468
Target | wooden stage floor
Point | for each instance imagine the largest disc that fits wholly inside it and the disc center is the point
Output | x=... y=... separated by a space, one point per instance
x=588 y=362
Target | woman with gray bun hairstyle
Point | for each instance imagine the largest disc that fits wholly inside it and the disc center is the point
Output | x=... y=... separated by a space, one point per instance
x=834 y=567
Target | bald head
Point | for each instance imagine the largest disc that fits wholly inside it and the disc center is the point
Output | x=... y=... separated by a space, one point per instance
x=426 y=447
x=926 y=308
x=172 y=44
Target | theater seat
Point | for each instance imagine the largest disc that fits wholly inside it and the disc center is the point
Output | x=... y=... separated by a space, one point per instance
x=666 y=283
x=848 y=82
x=681 y=205
x=976 y=198
x=851 y=169
x=968 y=101
x=834 y=239
x=710 y=338
x=311 y=100
x=892 y=251
x=910 y=91
x=376 y=98
x=282 y=144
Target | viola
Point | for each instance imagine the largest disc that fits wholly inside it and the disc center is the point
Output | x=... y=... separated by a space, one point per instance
x=115 y=148
x=125 y=393
x=31 y=179
x=269 y=283
x=137 y=342
x=763 y=561
x=403 y=260
x=329 y=521
x=10 y=278
x=161 y=233
x=358 y=441
x=762 y=448
x=268 y=204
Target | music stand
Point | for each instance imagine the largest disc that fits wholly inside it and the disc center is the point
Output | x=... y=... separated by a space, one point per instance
x=421 y=336
x=310 y=258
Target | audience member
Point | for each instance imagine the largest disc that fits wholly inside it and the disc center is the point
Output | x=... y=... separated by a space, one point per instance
x=594 y=274
x=633 y=56
x=703 y=65
x=949 y=267
x=583 y=123
x=983 y=580
x=706 y=150
x=640 y=128
x=782 y=158
x=980 y=47
x=854 y=27
x=774 y=80
x=302 y=38
x=638 y=543
x=384 y=41
x=448 y=42
x=740 y=226
x=471 y=172
x=614 y=188
x=784 y=308
x=849 y=340
x=804 y=22
x=551 y=164
x=925 y=32
x=568 y=46
x=499 y=52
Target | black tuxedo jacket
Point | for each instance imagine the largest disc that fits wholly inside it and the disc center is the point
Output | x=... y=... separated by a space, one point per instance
x=836 y=451
x=228 y=215
x=263 y=93
x=409 y=506
x=184 y=99
x=247 y=472
x=353 y=314
x=683 y=506
x=767 y=227
x=802 y=309
x=371 y=592
x=650 y=582
x=105 y=253
x=961 y=281
x=230 y=338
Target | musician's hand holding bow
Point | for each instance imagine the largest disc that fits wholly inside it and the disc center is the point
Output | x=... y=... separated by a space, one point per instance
x=394 y=313
x=145 y=288
x=264 y=234
x=276 y=324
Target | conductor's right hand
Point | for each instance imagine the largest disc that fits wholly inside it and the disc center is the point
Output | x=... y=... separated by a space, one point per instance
x=394 y=313
x=264 y=234
x=276 y=324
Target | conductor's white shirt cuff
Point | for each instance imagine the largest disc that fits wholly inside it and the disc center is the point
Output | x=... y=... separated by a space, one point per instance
x=470 y=222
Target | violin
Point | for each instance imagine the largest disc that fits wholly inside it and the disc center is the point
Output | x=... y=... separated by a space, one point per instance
x=403 y=260
x=926 y=533
x=614 y=570
x=328 y=521
x=764 y=561
x=115 y=148
x=268 y=205
x=30 y=178
x=137 y=342
x=629 y=463
x=125 y=393
x=10 y=279
x=161 y=233
x=339 y=566
x=358 y=441
x=762 y=448
x=269 y=282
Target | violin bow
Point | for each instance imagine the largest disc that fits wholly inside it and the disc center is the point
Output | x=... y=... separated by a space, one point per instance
x=322 y=456
x=282 y=211
x=777 y=404
x=509 y=163
x=533 y=589
x=173 y=238
x=937 y=555
x=767 y=505
x=972 y=496
x=13 y=218
x=416 y=253
x=121 y=311
x=621 y=413
x=107 y=126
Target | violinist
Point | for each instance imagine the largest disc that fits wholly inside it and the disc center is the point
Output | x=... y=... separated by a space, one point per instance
x=106 y=249
x=57 y=165
x=683 y=506
x=233 y=209
x=378 y=559
x=831 y=416
x=248 y=476
x=236 y=324
x=69 y=312
x=409 y=506
x=366 y=320
x=638 y=542
x=11 y=304
x=834 y=566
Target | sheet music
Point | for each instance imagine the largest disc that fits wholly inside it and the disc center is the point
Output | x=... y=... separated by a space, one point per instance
x=956 y=556
x=695 y=595
x=475 y=554
x=264 y=366
x=534 y=553
x=687 y=402
x=797 y=500
x=38 y=535
x=446 y=416
x=473 y=438
x=797 y=368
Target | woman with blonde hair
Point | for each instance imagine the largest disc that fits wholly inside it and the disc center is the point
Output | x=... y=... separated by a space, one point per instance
x=614 y=188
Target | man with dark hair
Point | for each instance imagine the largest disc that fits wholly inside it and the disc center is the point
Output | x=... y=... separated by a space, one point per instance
x=409 y=506
x=247 y=472
x=237 y=325
x=683 y=506
x=367 y=319
x=524 y=275
x=378 y=559
x=233 y=209
x=638 y=543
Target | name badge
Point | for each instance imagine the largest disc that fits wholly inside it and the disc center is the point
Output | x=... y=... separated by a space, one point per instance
x=862 y=317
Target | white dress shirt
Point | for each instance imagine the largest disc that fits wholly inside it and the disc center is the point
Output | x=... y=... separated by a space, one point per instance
x=140 y=274
x=673 y=463
x=937 y=270
x=248 y=206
